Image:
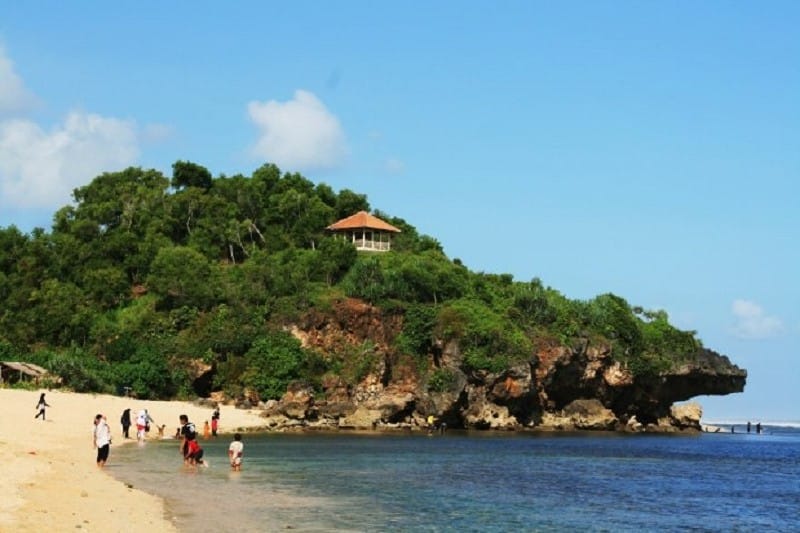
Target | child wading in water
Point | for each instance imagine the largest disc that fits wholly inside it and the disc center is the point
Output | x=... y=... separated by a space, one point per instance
x=235 y=452
x=195 y=456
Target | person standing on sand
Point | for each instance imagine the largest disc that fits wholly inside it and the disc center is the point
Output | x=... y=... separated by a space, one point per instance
x=214 y=421
x=235 y=452
x=125 y=420
x=40 y=406
x=101 y=438
x=206 y=430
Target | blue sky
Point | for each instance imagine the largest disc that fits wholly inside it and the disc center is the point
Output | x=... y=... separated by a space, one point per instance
x=647 y=149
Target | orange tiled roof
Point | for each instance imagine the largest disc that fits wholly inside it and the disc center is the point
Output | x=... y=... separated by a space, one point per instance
x=362 y=219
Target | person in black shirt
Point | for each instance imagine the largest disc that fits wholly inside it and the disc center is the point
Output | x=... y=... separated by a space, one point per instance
x=40 y=406
x=125 y=420
x=188 y=433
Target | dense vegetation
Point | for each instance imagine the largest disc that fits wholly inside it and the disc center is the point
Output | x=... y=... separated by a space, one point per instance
x=147 y=280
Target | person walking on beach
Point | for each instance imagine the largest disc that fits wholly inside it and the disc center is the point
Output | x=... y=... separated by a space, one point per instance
x=125 y=420
x=206 y=430
x=101 y=438
x=40 y=406
x=188 y=433
x=235 y=452
x=214 y=421
x=748 y=426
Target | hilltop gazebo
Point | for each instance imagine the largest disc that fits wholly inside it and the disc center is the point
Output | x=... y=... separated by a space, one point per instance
x=366 y=232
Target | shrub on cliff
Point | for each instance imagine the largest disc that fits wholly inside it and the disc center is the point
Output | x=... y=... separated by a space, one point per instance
x=272 y=362
x=488 y=340
x=417 y=336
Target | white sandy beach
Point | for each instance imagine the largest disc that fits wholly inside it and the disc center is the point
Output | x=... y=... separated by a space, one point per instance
x=49 y=478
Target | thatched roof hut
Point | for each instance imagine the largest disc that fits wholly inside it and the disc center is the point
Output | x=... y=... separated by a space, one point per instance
x=13 y=372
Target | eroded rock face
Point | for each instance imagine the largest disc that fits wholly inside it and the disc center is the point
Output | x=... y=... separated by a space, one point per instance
x=298 y=401
x=490 y=416
x=516 y=390
x=590 y=414
x=686 y=416
x=578 y=387
x=362 y=418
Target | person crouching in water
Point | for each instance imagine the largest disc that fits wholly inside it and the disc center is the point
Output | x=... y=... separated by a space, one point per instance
x=188 y=433
x=195 y=456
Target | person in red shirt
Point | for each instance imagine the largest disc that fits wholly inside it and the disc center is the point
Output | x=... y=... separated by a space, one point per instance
x=214 y=421
x=195 y=455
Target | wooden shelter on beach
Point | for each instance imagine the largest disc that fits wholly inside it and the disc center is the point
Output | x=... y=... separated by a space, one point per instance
x=365 y=231
x=13 y=372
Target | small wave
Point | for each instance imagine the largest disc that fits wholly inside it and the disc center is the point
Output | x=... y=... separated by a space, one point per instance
x=782 y=424
x=766 y=423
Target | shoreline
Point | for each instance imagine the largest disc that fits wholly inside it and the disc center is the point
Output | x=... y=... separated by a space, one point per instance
x=50 y=478
x=51 y=481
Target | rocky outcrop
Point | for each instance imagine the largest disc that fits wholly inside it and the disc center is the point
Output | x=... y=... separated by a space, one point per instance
x=686 y=416
x=581 y=387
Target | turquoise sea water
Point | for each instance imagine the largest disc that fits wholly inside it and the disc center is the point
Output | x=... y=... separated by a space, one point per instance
x=467 y=481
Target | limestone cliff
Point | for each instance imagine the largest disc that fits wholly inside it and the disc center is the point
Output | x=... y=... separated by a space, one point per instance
x=559 y=387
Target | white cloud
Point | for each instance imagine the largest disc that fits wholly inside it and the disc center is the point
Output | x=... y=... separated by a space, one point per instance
x=300 y=134
x=14 y=97
x=752 y=322
x=157 y=133
x=40 y=168
x=395 y=166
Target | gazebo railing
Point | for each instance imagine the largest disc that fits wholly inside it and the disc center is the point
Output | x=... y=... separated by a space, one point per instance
x=364 y=244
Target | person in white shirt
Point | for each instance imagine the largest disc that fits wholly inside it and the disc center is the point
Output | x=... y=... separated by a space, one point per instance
x=141 y=424
x=235 y=452
x=101 y=438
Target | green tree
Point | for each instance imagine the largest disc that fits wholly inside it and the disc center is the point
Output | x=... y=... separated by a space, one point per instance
x=349 y=203
x=79 y=370
x=531 y=306
x=365 y=279
x=417 y=336
x=272 y=363
x=182 y=276
x=108 y=287
x=336 y=256
x=187 y=174
x=612 y=317
x=146 y=372
x=59 y=313
x=489 y=340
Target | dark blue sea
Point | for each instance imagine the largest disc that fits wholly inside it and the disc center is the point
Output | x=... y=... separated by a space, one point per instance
x=468 y=481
